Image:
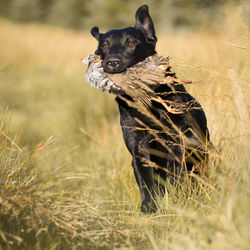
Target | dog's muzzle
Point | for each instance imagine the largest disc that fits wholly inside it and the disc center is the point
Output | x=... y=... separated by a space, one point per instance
x=113 y=64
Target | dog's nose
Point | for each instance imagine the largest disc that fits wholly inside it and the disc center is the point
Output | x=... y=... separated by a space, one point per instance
x=113 y=63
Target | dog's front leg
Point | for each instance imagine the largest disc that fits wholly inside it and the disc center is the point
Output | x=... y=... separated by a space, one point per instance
x=145 y=180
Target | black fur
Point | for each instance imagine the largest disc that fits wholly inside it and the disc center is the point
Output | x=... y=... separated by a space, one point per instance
x=120 y=49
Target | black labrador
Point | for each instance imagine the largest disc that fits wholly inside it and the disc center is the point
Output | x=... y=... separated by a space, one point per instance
x=159 y=154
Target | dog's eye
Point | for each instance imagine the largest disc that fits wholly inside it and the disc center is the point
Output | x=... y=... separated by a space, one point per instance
x=105 y=46
x=131 y=44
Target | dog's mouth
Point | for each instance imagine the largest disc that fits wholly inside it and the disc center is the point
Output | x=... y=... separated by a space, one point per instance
x=97 y=76
x=113 y=71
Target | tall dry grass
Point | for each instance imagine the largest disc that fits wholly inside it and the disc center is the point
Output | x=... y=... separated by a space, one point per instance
x=66 y=179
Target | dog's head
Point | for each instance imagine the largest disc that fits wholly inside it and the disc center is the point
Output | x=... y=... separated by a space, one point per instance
x=122 y=48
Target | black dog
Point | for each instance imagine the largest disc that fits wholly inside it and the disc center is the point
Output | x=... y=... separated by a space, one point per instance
x=168 y=152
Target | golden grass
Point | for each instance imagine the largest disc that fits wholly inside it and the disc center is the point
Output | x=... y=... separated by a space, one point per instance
x=66 y=177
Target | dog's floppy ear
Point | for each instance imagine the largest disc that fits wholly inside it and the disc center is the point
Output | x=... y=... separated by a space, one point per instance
x=145 y=24
x=95 y=33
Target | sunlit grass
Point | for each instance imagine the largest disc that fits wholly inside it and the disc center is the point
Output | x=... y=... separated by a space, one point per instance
x=66 y=176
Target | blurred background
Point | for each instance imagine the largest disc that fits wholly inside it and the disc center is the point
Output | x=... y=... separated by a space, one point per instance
x=82 y=14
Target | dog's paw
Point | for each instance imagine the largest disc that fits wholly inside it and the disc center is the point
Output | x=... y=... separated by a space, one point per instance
x=148 y=207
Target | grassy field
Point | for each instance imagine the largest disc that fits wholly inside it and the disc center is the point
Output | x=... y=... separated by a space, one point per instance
x=66 y=180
